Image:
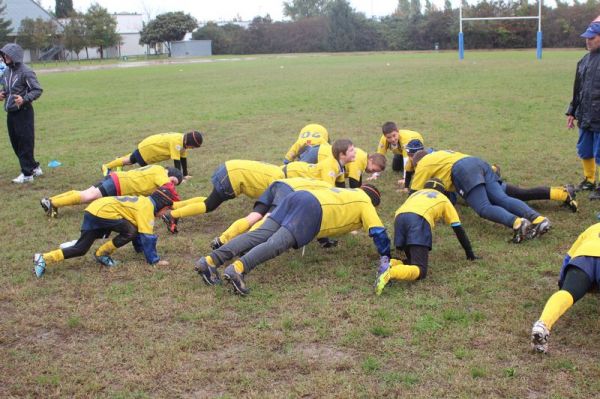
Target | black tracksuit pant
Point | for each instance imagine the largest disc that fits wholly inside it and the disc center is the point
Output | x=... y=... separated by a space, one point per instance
x=22 y=137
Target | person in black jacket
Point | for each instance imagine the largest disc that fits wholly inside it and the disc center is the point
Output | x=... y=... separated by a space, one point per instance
x=20 y=89
x=585 y=108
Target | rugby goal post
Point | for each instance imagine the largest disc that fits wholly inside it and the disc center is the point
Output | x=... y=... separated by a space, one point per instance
x=461 y=42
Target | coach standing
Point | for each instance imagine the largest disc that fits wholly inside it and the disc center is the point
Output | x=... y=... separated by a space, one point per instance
x=585 y=107
x=20 y=89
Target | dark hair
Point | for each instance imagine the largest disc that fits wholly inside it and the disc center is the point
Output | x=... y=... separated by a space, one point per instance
x=163 y=198
x=378 y=160
x=435 y=184
x=418 y=156
x=340 y=147
x=413 y=146
x=174 y=172
x=389 y=127
x=373 y=193
x=192 y=139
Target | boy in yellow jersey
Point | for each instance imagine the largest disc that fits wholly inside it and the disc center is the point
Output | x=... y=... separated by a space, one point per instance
x=579 y=274
x=160 y=147
x=142 y=181
x=297 y=220
x=395 y=140
x=564 y=194
x=229 y=180
x=475 y=181
x=330 y=170
x=265 y=204
x=311 y=136
x=131 y=217
x=414 y=223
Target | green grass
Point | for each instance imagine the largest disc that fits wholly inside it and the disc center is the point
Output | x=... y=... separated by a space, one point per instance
x=311 y=325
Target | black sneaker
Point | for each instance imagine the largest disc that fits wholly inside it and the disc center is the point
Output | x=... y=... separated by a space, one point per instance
x=50 y=210
x=216 y=243
x=586 y=185
x=327 y=242
x=171 y=223
x=570 y=201
x=522 y=232
x=236 y=279
x=538 y=229
x=595 y=195
x=209 y=273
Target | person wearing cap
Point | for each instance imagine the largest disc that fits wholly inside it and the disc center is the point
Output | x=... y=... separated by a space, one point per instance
x=297 y=220
x=414 y=222
x=584 y=108
x=158 y=148
x=311 y=136
x=395 y=140
x=20 y=88
x=579 y=274
x=474 y=180
x=131 y=217
x=141 y=181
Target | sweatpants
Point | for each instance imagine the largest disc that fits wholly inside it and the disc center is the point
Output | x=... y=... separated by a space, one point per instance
x=22 y=137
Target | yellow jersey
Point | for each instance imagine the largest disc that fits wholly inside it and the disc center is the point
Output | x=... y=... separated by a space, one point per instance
x=328 y=170
x=142 y=181
x=437 y=164
x=302 y=183
x=431 y=205
x=311 y=135
x=163 y=146
x=345 y=210
x=137 y=210
x=251 y=178
x=588 y=243
x=356 y=168
x=404 y=137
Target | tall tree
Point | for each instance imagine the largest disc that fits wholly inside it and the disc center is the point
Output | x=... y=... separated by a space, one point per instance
x=74 y=34
x=101 y=28
x=403 y=9
x=36 y=34
x=63 y=8
x=298 y=9
x=4 y=23
x=167 y=28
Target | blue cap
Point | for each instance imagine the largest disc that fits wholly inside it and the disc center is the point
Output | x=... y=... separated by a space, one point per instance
x=413 y=146
x=592 y=30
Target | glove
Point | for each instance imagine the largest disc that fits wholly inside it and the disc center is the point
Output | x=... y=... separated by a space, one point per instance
x=384 y=264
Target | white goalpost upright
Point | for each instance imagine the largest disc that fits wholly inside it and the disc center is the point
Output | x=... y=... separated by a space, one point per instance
x=461 y=43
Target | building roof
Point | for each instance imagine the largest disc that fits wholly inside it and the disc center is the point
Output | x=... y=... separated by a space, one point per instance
x=18 y=10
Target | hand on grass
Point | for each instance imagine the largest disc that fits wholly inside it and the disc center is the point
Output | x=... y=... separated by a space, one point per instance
x=163 y=263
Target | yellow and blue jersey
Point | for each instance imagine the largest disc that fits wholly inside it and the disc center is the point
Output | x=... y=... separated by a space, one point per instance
x=142 y=181
x=329 y=171
x=432 y=205
x=356 y=168
x=251 y=177
x=588 y=243
x=161 y=147
x=404 y=137
x=310 y=135
x=137 y=210
x=437 y=164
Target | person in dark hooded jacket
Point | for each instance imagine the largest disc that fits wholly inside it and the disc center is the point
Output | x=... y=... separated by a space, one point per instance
x=20 y=88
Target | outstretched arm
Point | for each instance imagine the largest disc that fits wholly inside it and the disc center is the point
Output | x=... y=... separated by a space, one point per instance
x=464 y=240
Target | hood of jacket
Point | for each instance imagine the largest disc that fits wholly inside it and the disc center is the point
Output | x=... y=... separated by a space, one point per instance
x=14 y=51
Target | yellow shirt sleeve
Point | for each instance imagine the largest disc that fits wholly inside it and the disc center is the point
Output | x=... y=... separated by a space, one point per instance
x=382 y=147
x=588 y=243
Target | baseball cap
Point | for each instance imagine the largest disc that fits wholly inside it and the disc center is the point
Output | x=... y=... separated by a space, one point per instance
x=592 y=30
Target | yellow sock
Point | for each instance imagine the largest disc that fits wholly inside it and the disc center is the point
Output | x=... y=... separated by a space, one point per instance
x=238 y=266
x=106 y=249
x=258 y=224
x=238 y=227
x=54 y=256
x=193 y=209
x=589 y=169
x=113 y=164
x=181 y=204
x=538 y=219
x=558 y=194
x=404 y=272
x=210 y=261
x=72 y=197
x=517 y=223
x=556 y=306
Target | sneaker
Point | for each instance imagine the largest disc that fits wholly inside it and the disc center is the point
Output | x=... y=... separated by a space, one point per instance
x=22 y=179
x=496 y=169
x=383 y=277
x=50 y=210
x=209 y=273
x=37 y=172
x=595 y=195
x=586 y=185
x=570 y=201
x=538 y=229
x=171 y=223
x=236 y=279
x=105 y=170
x=522 y=232
x=105 y=260
x=39 y=265
x=327 y=242
x=539 y=337
x=216 y=243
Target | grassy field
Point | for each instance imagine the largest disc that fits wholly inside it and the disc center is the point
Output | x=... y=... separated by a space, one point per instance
x=311 y=326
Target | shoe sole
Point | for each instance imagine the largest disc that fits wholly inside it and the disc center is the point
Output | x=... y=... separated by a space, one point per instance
x=537 y=344
x=236 y=289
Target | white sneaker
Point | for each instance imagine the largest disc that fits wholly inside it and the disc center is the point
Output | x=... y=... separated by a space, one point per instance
x=22 y=179
x=539 y=337
x=38 y=172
